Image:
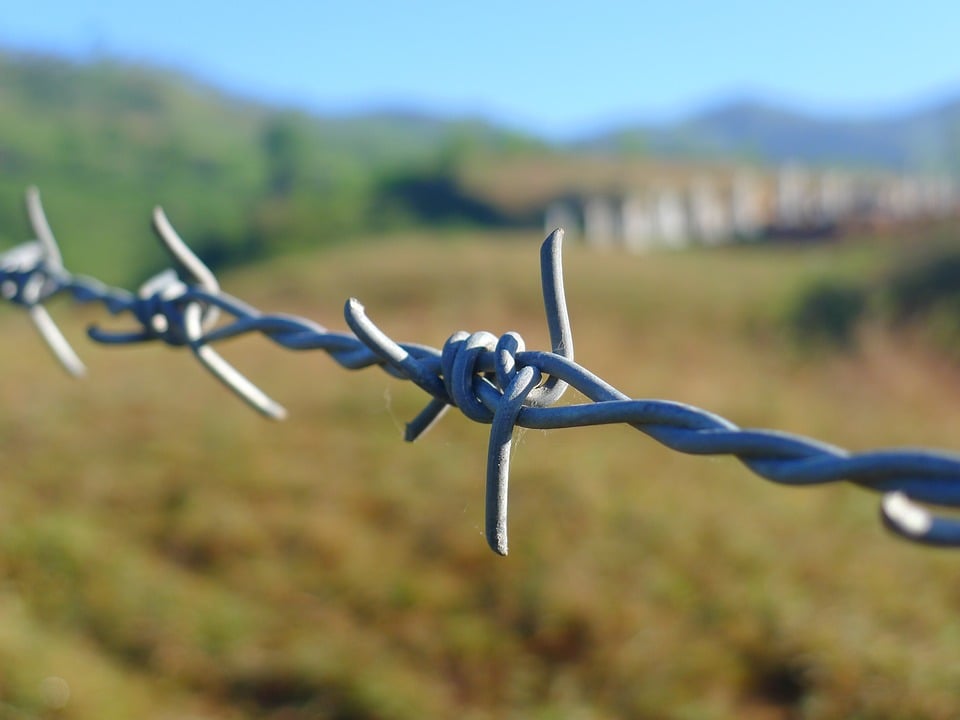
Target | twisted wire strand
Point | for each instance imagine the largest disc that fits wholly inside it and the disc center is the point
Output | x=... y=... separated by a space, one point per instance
x=490 y=379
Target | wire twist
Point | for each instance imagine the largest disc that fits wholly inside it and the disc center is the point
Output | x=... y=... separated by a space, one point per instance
x=490 y=379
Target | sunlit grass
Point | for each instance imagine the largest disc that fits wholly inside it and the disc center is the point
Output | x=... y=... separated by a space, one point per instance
x=169 y=554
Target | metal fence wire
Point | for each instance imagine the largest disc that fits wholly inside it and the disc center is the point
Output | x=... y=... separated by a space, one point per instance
x=489 y=379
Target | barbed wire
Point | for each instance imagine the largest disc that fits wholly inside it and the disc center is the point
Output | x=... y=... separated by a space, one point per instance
x=490 y=379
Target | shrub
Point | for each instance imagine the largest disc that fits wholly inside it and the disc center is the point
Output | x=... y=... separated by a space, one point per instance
x=917 y=288
x=826 y=313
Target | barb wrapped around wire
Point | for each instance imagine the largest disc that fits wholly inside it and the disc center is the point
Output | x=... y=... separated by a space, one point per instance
x=490 y=379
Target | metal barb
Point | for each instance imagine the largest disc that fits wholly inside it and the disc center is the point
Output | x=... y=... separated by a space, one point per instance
x=56 y=341
x=42 y=231
x=913 y=522
x=498 y=456
x=389 y=351
x=188 y=263
x=491 y=380
x=43 y=276
x=224 y=371
x=181 y=312
x=198 y=317
x=558 y=319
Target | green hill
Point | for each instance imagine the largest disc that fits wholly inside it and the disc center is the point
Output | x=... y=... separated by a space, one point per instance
x=105 y=142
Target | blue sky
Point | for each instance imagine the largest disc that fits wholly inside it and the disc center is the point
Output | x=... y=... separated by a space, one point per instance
x=556 y=69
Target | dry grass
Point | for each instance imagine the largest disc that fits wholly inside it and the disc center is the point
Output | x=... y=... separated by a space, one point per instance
x=169 y=555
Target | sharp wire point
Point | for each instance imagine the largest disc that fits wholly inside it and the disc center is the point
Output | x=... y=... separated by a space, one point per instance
x=56 y=341
x=36 y=273
x=42 y=230
x=558 y=317
x=186 y=259
x=225 y=372
x=498 y=457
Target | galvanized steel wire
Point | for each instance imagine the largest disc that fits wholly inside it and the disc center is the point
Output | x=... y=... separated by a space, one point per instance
x=492 y=380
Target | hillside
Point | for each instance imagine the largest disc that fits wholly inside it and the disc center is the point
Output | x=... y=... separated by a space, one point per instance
x=106 y=142
x=924 y=140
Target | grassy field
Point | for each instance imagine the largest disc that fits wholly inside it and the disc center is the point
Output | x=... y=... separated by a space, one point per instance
x=164 y=553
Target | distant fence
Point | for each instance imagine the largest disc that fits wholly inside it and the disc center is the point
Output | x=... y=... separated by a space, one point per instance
x=489 y=379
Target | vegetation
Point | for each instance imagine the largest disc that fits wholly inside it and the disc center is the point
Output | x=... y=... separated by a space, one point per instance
x=918 y=291
x=244 y=181
x=166 y=553
x=247 y=181
x=827 y=313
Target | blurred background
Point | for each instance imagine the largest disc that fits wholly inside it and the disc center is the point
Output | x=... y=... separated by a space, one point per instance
x=761 y=206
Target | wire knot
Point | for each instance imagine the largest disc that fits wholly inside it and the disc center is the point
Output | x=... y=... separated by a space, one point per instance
x=484 y=377
x=182 y=313
x=33 y=272
x=477 y=369
x=162 y=307
x=476 y=372
x=28 y=277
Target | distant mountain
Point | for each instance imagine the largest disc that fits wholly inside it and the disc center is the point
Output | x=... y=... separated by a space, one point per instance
x=924 y=140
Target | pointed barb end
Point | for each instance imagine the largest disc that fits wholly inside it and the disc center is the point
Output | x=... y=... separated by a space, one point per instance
x=164 y=230
x=159 y=217
x=277 y=412
x=425 y=419
x=498 y=543
x=353 y=308
x=904 y=517
x=553 y=241
x=496 y=534
x=77 y=370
